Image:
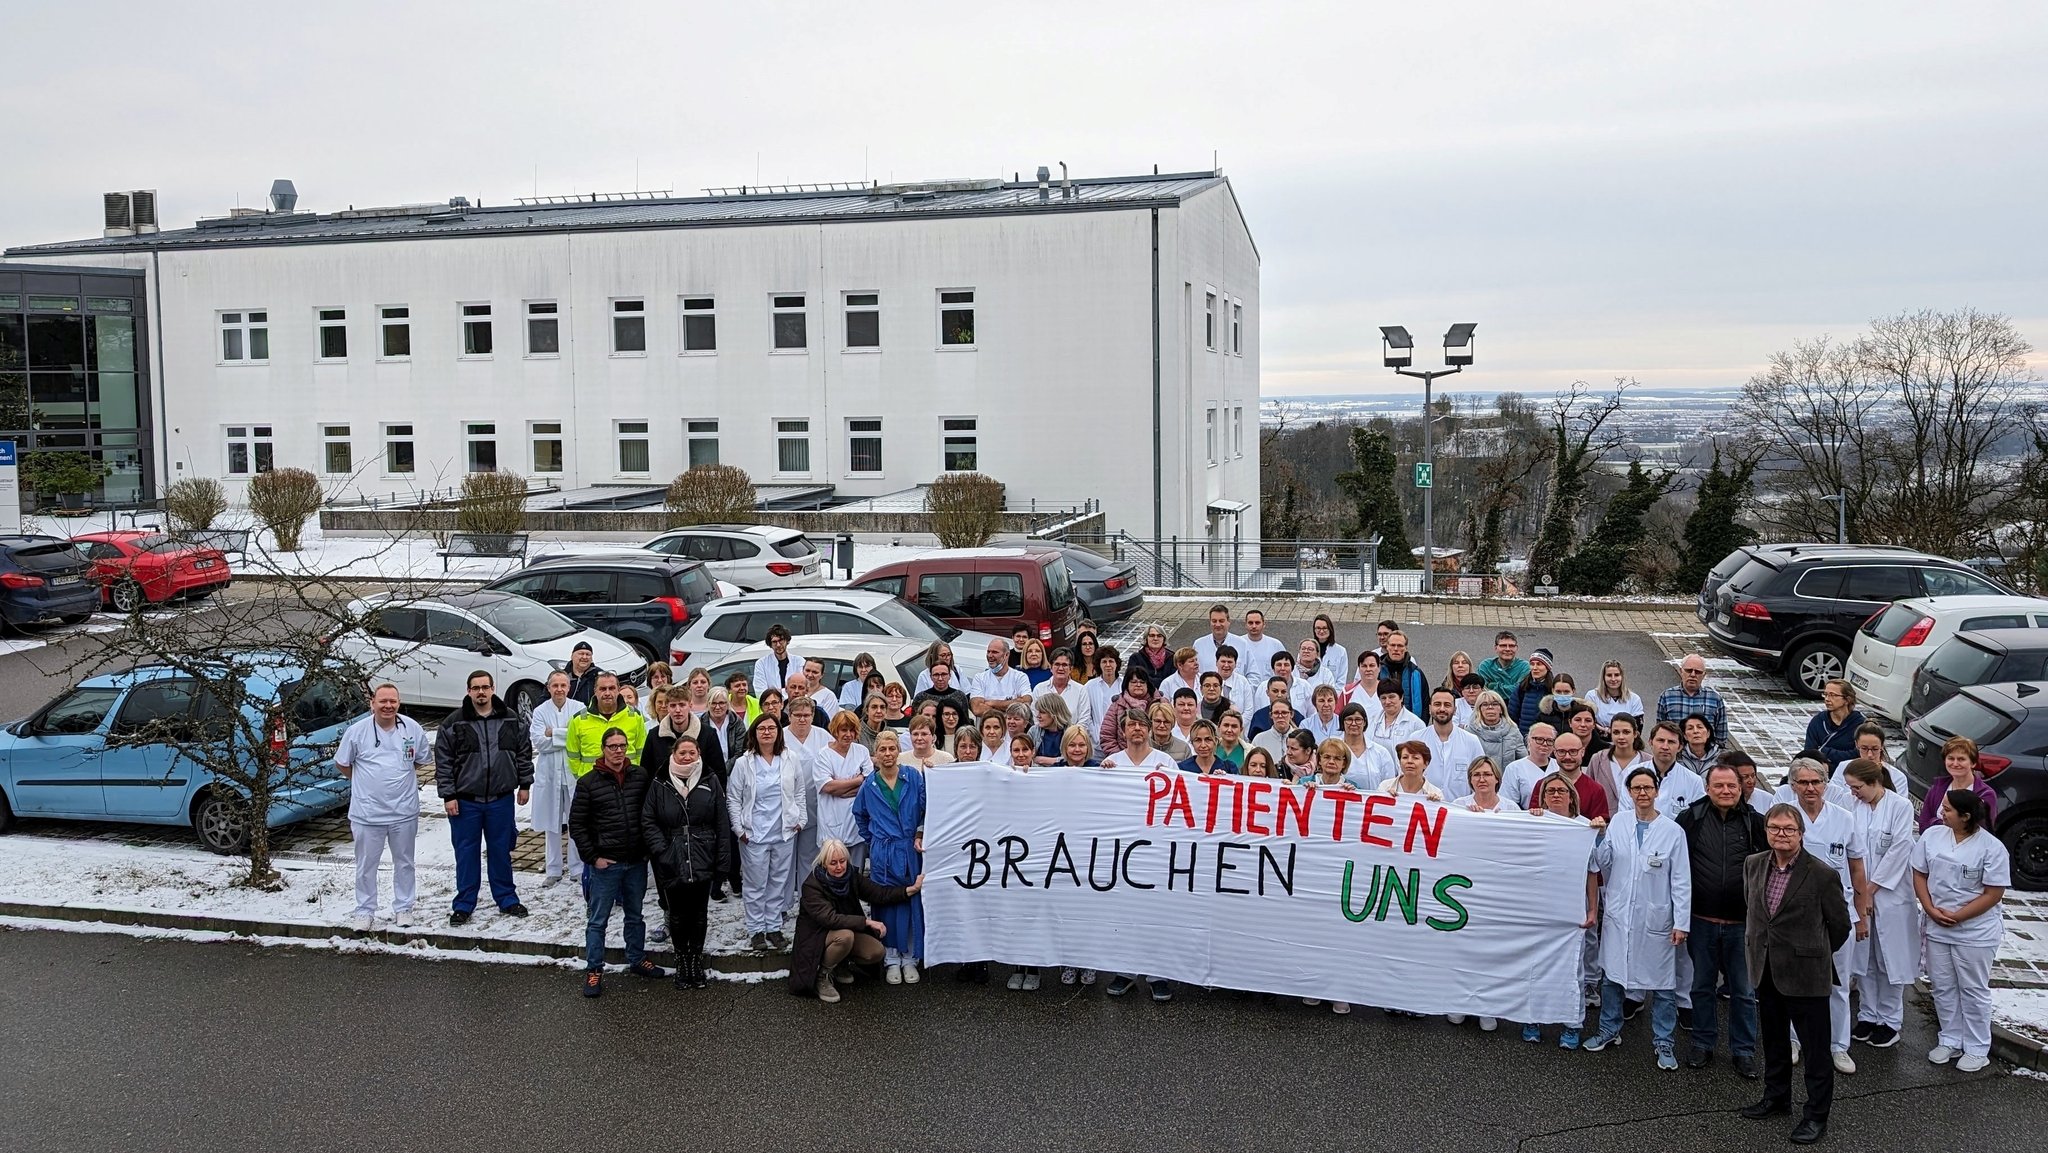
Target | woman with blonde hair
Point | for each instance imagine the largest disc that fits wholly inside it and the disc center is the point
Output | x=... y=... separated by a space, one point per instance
x=889 y=812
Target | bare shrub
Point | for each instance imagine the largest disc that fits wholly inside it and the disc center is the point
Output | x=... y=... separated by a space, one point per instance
x=283 y=500
x=195 y=503
x=492 y=502
x=965 y=508
x=712 y=494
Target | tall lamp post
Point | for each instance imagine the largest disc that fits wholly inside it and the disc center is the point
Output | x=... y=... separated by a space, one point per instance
x=1398 y=349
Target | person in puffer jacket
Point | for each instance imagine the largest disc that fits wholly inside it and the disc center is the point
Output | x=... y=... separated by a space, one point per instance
x=483 y=764
x=1498 y=735
x=604 y=819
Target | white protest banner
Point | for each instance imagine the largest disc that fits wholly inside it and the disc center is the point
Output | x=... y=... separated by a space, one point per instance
x=1248 y=883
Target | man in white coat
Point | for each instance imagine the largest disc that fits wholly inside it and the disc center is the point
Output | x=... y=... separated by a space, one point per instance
x=1256 y=650
x=380 y=755
x=1000 y=684
x=1831 y=835
x=554 y=787
x=1218 y=636
x=1646 y=900
x=1451 y=749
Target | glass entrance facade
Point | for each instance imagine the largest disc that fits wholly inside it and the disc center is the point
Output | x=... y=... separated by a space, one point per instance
x=74 y=375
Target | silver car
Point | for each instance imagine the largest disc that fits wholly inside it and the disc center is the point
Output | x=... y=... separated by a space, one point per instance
x=752 y=556
x=732 y=623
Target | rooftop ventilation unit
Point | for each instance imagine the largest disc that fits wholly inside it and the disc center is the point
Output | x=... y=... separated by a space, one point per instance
x=129 y=213
x=284 y=196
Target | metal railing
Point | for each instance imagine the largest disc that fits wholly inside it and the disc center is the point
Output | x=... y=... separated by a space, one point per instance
x=1295 y=565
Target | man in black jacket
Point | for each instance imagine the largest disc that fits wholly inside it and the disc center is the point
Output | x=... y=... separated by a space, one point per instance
x=944 y=691
x=604 y=820
x=483 y=757
x=1721 y=832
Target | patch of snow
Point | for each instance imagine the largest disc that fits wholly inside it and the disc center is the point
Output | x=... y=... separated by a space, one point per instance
x=415 y=949
x=2021 y=1010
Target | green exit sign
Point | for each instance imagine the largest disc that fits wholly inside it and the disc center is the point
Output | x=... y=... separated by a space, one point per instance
x=1423 y=473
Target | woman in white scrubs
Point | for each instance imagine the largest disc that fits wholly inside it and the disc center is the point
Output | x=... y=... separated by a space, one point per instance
x=1888 y=959
x=1960 y=874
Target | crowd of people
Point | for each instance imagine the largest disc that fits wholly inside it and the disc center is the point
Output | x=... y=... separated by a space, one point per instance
x=807 y=800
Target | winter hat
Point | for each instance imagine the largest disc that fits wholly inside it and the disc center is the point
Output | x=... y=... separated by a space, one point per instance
x=582 y=647
x=1544 y=656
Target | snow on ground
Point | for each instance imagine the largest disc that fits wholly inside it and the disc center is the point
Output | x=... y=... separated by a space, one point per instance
x=2024 y=1011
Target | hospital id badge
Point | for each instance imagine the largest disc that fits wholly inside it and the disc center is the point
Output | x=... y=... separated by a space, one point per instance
x=1973 y=876
x=1656 y=861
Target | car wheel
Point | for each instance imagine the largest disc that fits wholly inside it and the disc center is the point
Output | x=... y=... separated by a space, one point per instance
x=6 y=814
x=222 y=823
x=128 y=597
x=1812 y=666
x=525 y=697
x=645 y=650
x=2026 y=842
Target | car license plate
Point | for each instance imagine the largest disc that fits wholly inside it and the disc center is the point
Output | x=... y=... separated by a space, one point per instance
x=203 y=562
x=810 y=567
x=60 y=582
x=1859 y=680
x=1721 y=619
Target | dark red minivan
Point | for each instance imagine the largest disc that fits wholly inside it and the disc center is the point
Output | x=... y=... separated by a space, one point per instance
x=990 y=590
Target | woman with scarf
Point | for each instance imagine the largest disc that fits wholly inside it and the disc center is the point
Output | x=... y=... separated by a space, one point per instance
x=889 y=812
x=832 y=926
x=688 y=834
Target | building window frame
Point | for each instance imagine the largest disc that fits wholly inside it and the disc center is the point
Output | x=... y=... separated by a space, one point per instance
x=864 y=446
x=959 y=437
x=699 y=325
x=626 y=433
x=1237 y=432
x=400 y=448
x=1209 y=432
x=478 y=334
x=251 y=449
x=793 y=446
x=394 y=330
x=543 y=316
x=244 y=337
x=789 y=319
x=1236 y=327
x=1209 y=317
x=337 y=450
x=546 y=432
x=479 y=435
x=629 y=326
x=330 y=322
x=695 y=433
x=861 y=311
x=957 y=319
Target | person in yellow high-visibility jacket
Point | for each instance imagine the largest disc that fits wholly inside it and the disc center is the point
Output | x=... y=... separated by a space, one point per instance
x=607 y=711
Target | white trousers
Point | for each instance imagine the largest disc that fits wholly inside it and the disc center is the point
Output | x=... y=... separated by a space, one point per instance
x=1961 y=976
x=764 y=873
x=1840 y=1020
x=554 y=844
x=1879 y=1000
x=371 y=841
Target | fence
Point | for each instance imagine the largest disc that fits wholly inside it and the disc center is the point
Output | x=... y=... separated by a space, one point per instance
x=1305 y=566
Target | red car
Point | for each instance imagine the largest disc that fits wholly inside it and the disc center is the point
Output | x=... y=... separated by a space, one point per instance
x=141 y=566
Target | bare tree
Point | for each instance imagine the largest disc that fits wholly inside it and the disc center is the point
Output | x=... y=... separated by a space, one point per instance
x=1579 y=438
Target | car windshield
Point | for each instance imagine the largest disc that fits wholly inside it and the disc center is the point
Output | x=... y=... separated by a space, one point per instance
x=1961 y=663
x=795 y=548
x=908 y=620
x=523 y=622
x=1964 y=716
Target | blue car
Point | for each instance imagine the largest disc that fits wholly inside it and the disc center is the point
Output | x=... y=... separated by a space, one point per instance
x=43 y=578
x=78 y=757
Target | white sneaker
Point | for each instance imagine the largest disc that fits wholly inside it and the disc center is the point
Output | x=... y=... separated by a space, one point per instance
x=910 y=972
x=1456 y=1018
x=1341 y=1008
x=893 y=974
x=1016 y=981
x=1311 y=1000
x=1843 y=1062
x=1031 y=982
x=1087 y=976
x=1068 y=976
x=1795 y=1052
x=1972 y=1063
x=365 y=924
x=401 y=919
x=1942 y=1054
x=1488 y=1024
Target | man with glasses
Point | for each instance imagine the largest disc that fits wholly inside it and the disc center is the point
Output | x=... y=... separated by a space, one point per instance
x=1519 y=779
x=1829 y=833
x=483 y=762
x=1571 y=762
x=604 y=819
x=1001 y=684
x=1691 y=696
x=1796 y=920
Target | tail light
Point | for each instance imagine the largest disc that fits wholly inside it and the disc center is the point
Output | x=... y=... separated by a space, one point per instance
x=1113 y=583
x=280 y=742
x=1045 y=630
x=784 y=568
x=1749 y=610
x=678 y=611
x=1917 y=635
x=678 y=657
x=1991 y=764
x=20 y=580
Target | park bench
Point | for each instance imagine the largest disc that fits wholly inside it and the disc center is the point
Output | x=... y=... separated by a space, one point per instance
x=491 y=545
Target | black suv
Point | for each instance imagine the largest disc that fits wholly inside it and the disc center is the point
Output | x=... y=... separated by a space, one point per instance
x=1794 y=608
x=2010 y=725
x=641 y=598
x=1977 y=657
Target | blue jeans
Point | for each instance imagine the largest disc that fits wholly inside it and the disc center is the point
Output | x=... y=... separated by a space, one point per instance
x=1717 y=952
x=1663 y=1014
x=490 y=822
x=623 y=883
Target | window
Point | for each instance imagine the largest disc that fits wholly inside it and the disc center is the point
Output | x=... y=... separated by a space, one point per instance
x=945 y=594
x=1948 y=582
x=632 y=439
x=337 y=456
x=476 y=330
x=1209 y=320
x=629 y=327
x=397 y=324
x=1237 y=328
x=793 y=446
x=398 y=459
x=1209 y=430
x=700 y=324
x=333 y=324
x=863 y=320
x=789 y=322
x=543 y=329
x=1237 y=431
x=956 y=318
x=959 y=444
x=547 y=445
x=244 y=337
x=480 y=445
x=1877 y=583
x=702 y=436
x=249 y=449
x=864 y=446
x=847 y=623
x=998 y=594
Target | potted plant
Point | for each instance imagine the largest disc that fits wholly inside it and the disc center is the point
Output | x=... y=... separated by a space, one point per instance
x=65 y=476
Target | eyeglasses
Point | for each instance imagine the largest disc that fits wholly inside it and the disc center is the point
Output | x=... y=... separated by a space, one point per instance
x=1558 y=791
x=1781 y=830
x=615 y=748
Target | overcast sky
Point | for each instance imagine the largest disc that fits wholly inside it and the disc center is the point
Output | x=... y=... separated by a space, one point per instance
x=1663 y=190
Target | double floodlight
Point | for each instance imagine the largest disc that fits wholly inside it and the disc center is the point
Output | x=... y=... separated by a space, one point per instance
x=1398 y=348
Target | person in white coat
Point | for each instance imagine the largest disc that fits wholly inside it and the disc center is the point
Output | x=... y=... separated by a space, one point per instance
x=1451 y=749
x=1394 y=723
x=1869 y=747
x=1960 y=874
x=1646 y=900
x=772 y=669
x=765 y=795
x=839 y=768
x=1888 y=958
x=553 y=785
x=1831 y=835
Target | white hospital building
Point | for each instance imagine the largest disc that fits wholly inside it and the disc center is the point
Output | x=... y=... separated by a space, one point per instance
x=1096 y=339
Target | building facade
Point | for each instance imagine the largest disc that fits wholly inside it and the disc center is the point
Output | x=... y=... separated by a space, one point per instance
x=1093 y=341
x=75 y=373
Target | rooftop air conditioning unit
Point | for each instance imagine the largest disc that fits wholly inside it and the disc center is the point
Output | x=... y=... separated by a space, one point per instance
x=130 y=213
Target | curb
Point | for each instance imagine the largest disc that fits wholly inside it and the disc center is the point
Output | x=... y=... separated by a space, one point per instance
x=2006 y=1045
x=448 y=942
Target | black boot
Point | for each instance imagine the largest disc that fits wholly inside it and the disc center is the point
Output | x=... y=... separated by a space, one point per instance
x=697 y=978
x=683 y=972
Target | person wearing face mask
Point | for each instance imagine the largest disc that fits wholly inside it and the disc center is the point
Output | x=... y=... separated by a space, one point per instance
x=1887 y=959
x=688 y=833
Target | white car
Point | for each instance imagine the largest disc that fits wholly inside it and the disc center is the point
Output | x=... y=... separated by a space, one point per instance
x=428 y=646
x=1897 y=639
x=731 y=623
x=899 y=661
x=752 y=556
